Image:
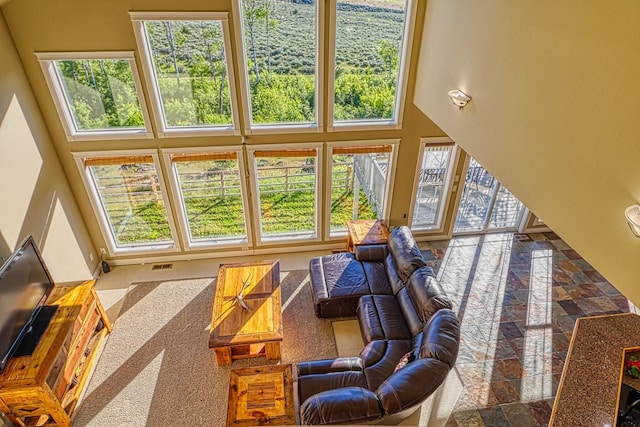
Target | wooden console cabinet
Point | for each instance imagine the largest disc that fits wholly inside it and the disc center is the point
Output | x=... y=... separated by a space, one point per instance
x=42 y=389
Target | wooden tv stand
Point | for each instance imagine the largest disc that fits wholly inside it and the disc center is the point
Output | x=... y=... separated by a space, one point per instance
x=42 y=389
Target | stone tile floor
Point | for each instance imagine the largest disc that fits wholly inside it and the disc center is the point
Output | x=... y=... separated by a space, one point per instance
x=518 y=302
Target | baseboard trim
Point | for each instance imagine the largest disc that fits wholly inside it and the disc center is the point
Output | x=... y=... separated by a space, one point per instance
x=159 y=259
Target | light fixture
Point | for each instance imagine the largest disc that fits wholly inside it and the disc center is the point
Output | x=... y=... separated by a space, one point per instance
x=459 y=98
x=632 y=213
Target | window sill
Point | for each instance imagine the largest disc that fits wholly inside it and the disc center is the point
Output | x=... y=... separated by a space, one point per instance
x=109 y=135
x=365 y=125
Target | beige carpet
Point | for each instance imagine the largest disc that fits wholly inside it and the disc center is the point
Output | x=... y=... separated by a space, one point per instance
x=156 y=368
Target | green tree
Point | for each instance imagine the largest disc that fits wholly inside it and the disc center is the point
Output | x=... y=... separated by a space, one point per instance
x=389 y=54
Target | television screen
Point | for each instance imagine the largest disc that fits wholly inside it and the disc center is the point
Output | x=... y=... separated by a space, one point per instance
x=24 y=286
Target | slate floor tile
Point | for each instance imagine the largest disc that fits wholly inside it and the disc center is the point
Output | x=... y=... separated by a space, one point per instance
x=515 y=333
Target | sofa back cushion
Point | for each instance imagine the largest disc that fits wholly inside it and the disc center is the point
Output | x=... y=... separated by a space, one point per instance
x=405 y=252
x=426 y=293
x=411 y=317
x=441 y=337
x=392 y=274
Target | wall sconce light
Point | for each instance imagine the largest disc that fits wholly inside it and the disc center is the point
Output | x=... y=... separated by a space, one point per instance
x=632 y=213
x=459 y=98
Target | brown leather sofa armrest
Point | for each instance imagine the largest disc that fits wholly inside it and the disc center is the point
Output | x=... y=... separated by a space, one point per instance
x=351 y=405
x=324 y=366
x=412 y=384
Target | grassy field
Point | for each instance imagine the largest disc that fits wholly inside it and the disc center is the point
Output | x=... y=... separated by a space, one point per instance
x=213 y=202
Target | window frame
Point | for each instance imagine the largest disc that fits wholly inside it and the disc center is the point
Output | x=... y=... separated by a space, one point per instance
x=280 y=128
x=101 y=214
x=181 y=213
x=153 y=88
x=391 y=173
x=255 y=193
x=63 y=107
x=403 y=75
x=446 y=185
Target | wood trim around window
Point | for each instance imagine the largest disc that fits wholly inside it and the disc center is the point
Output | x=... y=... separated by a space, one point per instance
x=302 y=152
x=371 y=149
x=203 y=157
x=114 y=161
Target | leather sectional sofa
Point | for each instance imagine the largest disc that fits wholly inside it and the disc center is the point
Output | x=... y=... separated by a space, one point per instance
x=411 y=335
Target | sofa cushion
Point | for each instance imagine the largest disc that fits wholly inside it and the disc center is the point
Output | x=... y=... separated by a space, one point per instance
x=441 y=337
x=414 y=322
x=405 y=252
x=340 y=406
x=426 y=293
x=372 y=253
x=380 y=317
x=337 y=281
x=392 y=274
x=376 y=278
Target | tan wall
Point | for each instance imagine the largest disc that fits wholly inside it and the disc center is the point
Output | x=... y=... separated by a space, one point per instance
x=555 y=111
x=77 y=25
x=34 y=192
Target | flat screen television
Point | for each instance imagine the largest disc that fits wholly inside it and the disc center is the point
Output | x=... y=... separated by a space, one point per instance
x=25 y=284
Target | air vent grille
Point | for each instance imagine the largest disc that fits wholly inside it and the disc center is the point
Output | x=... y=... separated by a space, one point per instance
x=521 y=237
x=162 y=266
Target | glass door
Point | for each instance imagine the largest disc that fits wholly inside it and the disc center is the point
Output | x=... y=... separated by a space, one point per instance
x=485 y=204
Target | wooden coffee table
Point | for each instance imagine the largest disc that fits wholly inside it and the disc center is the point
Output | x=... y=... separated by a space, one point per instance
x=262 y=395
x=366 y=232
x=237 y=333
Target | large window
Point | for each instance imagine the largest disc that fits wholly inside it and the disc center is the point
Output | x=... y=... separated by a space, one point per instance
x=486 y=204
x=368 y=60
x=430 y=187
x=97 y=94
x=286 y=187
x=280 y=60
x=130 y=200
x=359 y=183
x=187 y=67
x=211 y=195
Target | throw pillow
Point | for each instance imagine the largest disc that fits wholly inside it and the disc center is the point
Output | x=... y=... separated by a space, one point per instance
x=403 y=362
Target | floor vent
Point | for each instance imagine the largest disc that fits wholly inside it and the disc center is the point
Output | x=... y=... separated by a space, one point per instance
x=162 y=266
x=521 y=237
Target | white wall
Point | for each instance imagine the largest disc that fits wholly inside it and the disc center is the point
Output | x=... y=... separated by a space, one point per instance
x=555 y=114
x=35 y=197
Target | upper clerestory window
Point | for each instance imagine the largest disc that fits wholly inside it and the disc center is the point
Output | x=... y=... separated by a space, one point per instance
x=97 y=94
x=186 y=64
x=281 y=63
x=369 y=62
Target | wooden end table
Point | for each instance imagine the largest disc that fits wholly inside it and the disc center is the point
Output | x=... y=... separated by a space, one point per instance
x=237 y=333
x=262 y=395
x=366 y=232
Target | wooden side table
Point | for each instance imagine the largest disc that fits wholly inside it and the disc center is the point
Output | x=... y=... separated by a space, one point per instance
x=366 y=232
x=237 y=333
x=262 y=395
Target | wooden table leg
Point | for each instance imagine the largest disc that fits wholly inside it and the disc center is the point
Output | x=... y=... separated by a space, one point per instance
x=223 y=355
x=272 y=350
